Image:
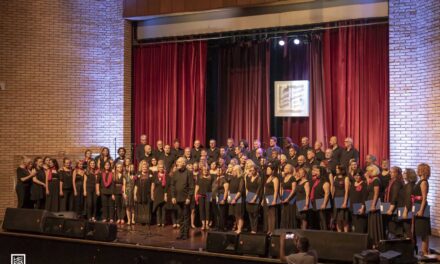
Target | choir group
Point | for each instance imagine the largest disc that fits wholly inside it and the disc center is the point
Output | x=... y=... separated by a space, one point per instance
x=289 y=187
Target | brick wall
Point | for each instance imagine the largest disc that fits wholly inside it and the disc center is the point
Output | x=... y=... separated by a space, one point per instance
x=415 y=90
x=67 y=68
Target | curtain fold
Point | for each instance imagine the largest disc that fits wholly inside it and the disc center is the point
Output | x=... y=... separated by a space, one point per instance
x=170 y=92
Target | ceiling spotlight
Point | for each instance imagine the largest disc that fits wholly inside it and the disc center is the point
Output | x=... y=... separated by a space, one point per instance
x=296 y=41
x=281 y=42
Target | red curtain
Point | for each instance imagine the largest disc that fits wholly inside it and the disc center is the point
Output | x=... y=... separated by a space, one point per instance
x=243 y=99
x=356 y=87
x=170 y=92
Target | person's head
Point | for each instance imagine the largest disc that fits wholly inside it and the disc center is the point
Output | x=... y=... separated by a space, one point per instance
x=372 y=171
x=370 y=159
x=144 y=139
x=38 y=162
x=237 y=171
x=212 y=143
x=107 y=166
x=287 y=142
x=305 y=141
x=318 y=146
x=105 y=152
x=53 y=164
x=263 y=162
x=159 y=144
x=410 y=175
x=213 y=165
x=259 y=153
x=120 y=167
x=176 y=144
x=340 y=170
x=348 y=142
x=310 y=154
x=153 y=162
x=46 y=160
x=160 y=167
x=333 y=141
x=269 y=170
x=424 y=171
x=353 y=165
x=358 y=175
x=190 y=167
x=243 y=159
x=274 y=154
x=195 y=166
x=289 y=170
x=303 y=244
x=283 y=159
x=292 y=152
x=127 y=161
x=144 y=168
x=273 y=141
x=79 y=164
x=385 y=165
x=230 y=142
x=301 y=160
x=396 y=173
x=180 y=163
x=257 y=144
x=147 y=149
x=233 y=161
x=244 y=144
x=316 y=172
x=196 y=143
x=187 y=152
x=301 y=173
x=91 y=165
x=203 y=153
x=204 y=170
x=121 y=152
x=328 y=153
x=237 y=150
x=167 y=149
x=88 y=154
x=222 y=151
x=67 y=163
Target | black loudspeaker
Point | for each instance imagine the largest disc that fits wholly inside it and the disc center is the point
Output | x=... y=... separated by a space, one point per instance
x=25 y=220
x=253 y=244
x=66 y=214
x=222 y=242
x=335 y=246
x=101 y=231
x=403 y=246
x=274 y=246
x=74 y=228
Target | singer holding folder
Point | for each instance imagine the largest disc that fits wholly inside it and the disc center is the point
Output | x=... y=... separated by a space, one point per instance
x=303 y=197
x=235 y=199
x=422 y=223
x=203 y=194
x=288 y=207
x=375 y=227
x=271 y=190
x=340 y=192
x=391 y=196
x=253 y=195
x=358 y=194
x=320 y=197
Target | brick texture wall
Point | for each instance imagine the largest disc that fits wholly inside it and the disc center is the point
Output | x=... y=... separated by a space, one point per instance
x=415 y=90
x=67 y=69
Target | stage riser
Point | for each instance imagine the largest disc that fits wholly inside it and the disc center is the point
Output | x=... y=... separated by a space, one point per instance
x=42 y=250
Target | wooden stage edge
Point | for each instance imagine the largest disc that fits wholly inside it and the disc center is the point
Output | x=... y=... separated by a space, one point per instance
x=157 y=245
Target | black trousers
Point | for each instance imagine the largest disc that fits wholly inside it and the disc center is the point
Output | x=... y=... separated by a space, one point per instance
x=253 y=220
x=67 y=200
x=108 y=207
x=183 y=212
x=204 y=208
x=23 y=196
x=271 y=218
x=79 y=203
x=160 y=214
x=220 y=215
x=119 y=204
x=91 y=204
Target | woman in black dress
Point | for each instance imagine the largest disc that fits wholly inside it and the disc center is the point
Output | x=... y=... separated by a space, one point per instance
x=375 y=226
x=106 y=188
x=79 y=188
x=158 y=190
x=352 y=169
x=87 y=159
x=288 y=192
x=384 y=178
x=194 y=168
x=271 y=193
x=303 y=196
x=91 y=191
x=320 y=190
x=128 y=193
x=66 y=186
x=103 y=158
x=170 y=207
x=53 y=187
x=254 y=188
x=118 y=193
x=38 y=185
x=391 y=196
x=358 y=195
x=202 y=195
x=405 y=200
x=143 y=195
x=46 y=162
x=220 y=196
x=235 y=200
x=341 y=190
x=25 y=174
x=422 y=226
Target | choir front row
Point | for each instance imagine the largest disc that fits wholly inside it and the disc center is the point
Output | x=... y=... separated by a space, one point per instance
x=287 y=197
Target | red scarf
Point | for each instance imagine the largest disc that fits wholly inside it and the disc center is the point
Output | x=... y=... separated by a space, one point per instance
x=162 y=178
x=388 y=191
x=359 y=187
x=315 y=184
x=49 y=174
x=108 y=180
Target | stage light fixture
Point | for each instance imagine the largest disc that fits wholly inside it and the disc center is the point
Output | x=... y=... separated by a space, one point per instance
x=281 y=42
x=296 y=41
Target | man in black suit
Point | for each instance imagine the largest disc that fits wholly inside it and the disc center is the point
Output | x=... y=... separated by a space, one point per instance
x=213 y=151
x=330 y=161
x=255 y=147
x=273 y=147
x=349 y=153
x=182 y=189
x=336 y=149
x=230 y=148
x=139 y=151
x=292 y=157
x=159 y=152
x=319 y=154
x=195 y=151
x=176 y=151
x=168 y=158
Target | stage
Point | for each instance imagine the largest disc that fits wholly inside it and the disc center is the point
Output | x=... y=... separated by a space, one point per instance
x=134 y=244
